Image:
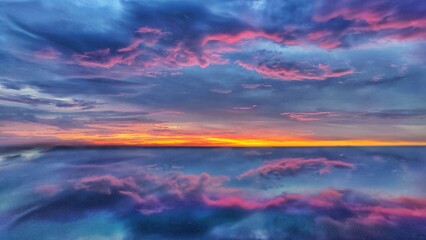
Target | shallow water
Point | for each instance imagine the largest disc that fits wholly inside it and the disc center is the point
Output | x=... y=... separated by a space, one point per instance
x=213 y=193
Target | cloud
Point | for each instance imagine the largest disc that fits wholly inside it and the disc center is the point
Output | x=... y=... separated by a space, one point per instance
x=105 y=184
x=153 y=191
x=308 y=116
x=386 y=19
x=293 y=166
x=73 y=119
x=378 y=15
x=275 y=68
x=245 y=108
x=101 y=58
x=28 y=99
x=221 y=91
x=33 y=97
x=359 y=117
x=334 y=215
x=48 y=189
x=63 y=59
x=240 y=36
x=254 y=86
x=177 y=196
x=48 y=53
x=238 y=202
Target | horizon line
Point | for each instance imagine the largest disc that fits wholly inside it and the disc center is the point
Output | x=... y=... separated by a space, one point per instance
x=49 y=145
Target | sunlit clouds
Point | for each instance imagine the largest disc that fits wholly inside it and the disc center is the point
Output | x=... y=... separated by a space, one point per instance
x=220 y=73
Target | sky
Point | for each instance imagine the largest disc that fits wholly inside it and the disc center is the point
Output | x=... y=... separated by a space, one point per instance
x=213 y=73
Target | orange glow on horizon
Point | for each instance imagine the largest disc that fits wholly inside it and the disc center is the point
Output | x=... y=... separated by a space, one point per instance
x=260 y=143
x=223 y=141
x=187 y=136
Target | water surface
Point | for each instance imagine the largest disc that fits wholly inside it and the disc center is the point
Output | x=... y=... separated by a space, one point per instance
x=213 y=193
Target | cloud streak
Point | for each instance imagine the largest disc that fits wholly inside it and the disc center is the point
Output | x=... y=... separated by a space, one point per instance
x=294 y=166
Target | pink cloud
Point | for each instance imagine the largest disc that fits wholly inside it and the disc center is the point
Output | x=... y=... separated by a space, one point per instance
x=291 y=166
x=153 y=194
x=330 y=44
x=377 y=16
x=235 y=38
x=325 y=39
x=393 y=211
x=150 y=30
x=411 y=34
x=364 y=210
x=47 y=53
x=104 y=59
x=192 y=186
x=290 y=72
x=134 y=196
x=48 y=189
x=238 y=202
x=412 y=202
x=180 y=56
x=141 y=56
x=105 y=184
x=147 y=36
x=134 y=45
x=325 y=199
x=390 y=20
x=173 y=58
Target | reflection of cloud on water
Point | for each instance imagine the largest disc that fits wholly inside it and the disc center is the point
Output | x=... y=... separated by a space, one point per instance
x=195 y=193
